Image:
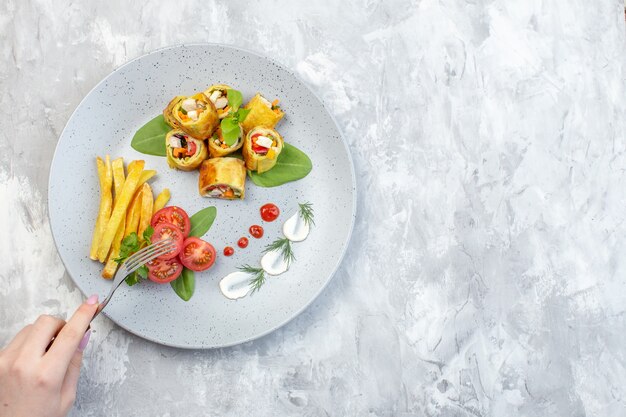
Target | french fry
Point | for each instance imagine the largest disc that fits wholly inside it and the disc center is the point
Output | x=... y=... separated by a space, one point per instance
x=118 y=176
x=111 y=266
x=118 y=183
x=133 y=214
x=119 y=211
x=145 y=176
x=147 y=201
x=105 y=176
x=161 y=200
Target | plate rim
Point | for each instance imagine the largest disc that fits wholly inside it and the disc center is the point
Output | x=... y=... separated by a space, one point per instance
x=346 y=242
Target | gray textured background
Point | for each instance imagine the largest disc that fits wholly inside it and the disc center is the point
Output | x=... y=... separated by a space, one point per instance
x=487 y=272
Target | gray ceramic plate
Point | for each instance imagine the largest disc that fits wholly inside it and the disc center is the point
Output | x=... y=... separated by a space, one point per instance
x=105 y=122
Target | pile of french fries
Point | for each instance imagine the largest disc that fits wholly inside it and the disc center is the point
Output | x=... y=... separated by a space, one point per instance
x=126 y=206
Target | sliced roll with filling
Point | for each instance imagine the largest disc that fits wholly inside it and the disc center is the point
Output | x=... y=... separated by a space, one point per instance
x=223 y=178
x=261 y=149
x=195 y=115
x=262 y=113
x=168 y=113
x=218 y=94
x=218 y=146
x=183 y=151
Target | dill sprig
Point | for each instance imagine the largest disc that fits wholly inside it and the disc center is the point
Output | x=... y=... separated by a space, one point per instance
x=284 y=247
x=258 y=279
x=306 y=212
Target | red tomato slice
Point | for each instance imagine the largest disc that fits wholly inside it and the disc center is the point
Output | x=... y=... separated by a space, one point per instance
x=197 y=254
x=162 y=271
x=163 y=231
x=191 y=149
x=174 y=215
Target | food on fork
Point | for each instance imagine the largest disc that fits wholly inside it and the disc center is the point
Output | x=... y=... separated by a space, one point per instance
x=183 y=151
x=195 y=115
x=261 y=149
x=218 y=94
x=222 y=178
x=262 y=113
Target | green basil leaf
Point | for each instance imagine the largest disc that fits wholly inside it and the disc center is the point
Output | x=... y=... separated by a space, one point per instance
x=185 y=284
x=235 y=99
x=230 y=130
x=292 y=165
x=242 y=114
x=202 y=221
x=150 y=138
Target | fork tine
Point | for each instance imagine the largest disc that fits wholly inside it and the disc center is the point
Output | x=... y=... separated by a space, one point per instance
x=148 y=258
x=148 y=249
x=145 y=257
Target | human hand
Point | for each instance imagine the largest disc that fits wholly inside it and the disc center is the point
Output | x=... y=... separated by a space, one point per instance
x=35 y=382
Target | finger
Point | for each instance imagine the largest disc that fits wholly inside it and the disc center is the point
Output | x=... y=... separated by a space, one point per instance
x=70 y=383
x=42 y=332
x=67 y=341
x=17 y=342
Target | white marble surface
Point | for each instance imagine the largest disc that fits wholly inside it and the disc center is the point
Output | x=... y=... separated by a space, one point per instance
x=487 y=272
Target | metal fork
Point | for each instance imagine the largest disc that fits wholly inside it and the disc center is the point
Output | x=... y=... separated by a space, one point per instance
x=134 y=262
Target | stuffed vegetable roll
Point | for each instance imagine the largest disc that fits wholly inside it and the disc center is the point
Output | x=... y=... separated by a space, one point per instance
x=183 y=151
x=195 y=115
x=218 y=146
x=262 y=113
x=218 y=94
x=223 y=178
x=261 y=149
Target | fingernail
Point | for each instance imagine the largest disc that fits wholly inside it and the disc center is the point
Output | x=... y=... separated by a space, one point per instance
x=93 y=299
x=83 y=343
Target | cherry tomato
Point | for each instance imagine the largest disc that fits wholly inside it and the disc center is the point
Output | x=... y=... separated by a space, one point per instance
x=228 y=251
x=197 y=254
x=174 y=215
x=243 y=242
x=269 y=212
x=256 y=231
x=163 y=231
x=162 y=271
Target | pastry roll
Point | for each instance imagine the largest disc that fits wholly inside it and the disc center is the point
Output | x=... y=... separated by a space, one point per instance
x=261 y=149
x=218 y=147
x=183 y=151
x=217 y=93
x=222 y=178
x=262 y=113
x=195 y=115
x=169 y=112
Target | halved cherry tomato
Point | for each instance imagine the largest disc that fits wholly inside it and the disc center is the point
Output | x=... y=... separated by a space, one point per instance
x=162 y=271
x=163 y=231
x=197 y=254
x=174 y=215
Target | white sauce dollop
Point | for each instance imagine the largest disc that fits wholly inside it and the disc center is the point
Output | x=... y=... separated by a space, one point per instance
x=295 y=228
x=273 y=263
x=235 y=285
